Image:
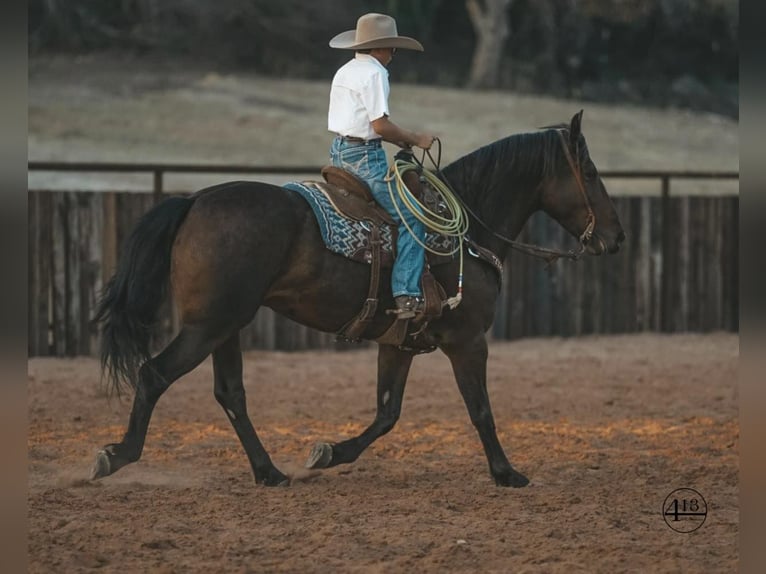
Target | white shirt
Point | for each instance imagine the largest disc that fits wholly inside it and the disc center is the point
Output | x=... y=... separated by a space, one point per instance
x=359 y=95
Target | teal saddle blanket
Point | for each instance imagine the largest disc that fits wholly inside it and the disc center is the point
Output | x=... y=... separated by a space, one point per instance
x=351 y=238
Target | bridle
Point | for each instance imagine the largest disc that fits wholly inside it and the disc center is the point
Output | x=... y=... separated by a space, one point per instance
x=586 y=235
x=547 y=254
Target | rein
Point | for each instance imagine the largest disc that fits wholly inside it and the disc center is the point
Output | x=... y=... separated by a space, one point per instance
x=547 y=254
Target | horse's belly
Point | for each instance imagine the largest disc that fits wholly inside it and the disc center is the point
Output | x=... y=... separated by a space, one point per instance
x=322 y=290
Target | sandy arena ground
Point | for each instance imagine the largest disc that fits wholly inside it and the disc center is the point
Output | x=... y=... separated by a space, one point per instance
x=605 y=427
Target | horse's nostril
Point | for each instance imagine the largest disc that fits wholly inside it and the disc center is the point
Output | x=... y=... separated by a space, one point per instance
x=620 y=237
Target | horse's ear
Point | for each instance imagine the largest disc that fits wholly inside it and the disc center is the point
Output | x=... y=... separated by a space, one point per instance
x=575 y=127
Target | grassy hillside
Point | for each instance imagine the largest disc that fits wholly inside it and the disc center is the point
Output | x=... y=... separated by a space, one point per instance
x=92 y=108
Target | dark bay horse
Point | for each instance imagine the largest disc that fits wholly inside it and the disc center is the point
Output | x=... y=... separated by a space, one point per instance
x=230 y=249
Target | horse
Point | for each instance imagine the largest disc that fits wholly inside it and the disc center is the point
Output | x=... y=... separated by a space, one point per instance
x=229 y=249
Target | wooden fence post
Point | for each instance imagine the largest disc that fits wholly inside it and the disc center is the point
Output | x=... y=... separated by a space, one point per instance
x=665 y=306
x=157 y=188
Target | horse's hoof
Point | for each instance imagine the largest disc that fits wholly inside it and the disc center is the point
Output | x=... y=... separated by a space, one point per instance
x=512 y=478
x=101 y=466
x=273 y=478
x=320 y=456
x=275 y=482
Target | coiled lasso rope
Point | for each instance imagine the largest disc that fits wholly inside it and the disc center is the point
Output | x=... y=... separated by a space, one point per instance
x=453 y=225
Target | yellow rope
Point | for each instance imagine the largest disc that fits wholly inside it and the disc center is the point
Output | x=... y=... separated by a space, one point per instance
x=454 y=225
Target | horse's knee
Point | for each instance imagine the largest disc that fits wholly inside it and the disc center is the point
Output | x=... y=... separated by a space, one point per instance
x=233 y=402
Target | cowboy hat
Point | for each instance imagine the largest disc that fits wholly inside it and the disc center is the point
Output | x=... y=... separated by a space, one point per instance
x=374 y=31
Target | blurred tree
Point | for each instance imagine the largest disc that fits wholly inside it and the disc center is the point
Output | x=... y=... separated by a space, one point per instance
x=539 y=35
x=679 y=52
x=83 y=24
x=490 y=23
x=414 y=18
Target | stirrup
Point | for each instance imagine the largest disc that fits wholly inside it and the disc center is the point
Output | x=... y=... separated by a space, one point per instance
x=407 y=307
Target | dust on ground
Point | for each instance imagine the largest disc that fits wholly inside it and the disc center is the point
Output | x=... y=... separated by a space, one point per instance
x=97 y=108
x=605 y=427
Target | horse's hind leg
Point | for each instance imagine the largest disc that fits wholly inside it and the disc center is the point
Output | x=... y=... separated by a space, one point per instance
x=230 y=393
x=393 y=368
x=469 y=363
x=186 y=351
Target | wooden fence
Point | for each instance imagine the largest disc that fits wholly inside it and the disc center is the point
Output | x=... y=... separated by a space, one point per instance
x=677 y=271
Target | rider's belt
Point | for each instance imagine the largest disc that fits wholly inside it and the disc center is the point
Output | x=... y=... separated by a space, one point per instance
x=352 y=139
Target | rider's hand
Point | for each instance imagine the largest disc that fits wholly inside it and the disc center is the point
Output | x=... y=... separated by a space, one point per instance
x=425 y=140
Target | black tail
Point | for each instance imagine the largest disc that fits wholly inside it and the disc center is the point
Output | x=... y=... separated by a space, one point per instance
x=132 y=297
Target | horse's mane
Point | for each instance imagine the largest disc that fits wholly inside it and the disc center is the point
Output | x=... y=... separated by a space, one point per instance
x=521 y=158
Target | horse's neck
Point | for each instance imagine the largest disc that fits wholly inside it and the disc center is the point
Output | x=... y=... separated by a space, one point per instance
x=516 y=213
x=504 y=205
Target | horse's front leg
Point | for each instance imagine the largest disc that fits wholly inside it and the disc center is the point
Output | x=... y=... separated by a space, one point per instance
x=393 y=368
x=469 y=363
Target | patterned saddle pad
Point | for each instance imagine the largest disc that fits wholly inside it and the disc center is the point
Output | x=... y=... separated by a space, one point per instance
x=351 y=238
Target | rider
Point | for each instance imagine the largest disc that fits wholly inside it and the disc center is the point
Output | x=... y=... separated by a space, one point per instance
x=359 y=116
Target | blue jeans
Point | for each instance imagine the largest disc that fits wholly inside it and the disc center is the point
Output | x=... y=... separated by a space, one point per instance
x=368 y=161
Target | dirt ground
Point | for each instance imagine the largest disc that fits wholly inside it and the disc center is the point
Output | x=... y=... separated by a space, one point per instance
x=99 y=108
x=605 y=427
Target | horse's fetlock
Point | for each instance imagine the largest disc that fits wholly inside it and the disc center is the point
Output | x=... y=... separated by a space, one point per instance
x=121 y=454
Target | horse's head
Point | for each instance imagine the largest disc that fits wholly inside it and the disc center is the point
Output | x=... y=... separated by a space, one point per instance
x=576 y=196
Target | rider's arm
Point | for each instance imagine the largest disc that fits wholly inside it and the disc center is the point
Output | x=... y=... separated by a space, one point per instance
x=390 y=132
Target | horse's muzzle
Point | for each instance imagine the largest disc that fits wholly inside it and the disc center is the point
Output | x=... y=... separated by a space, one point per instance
x=615 y=247
x=598 y=245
